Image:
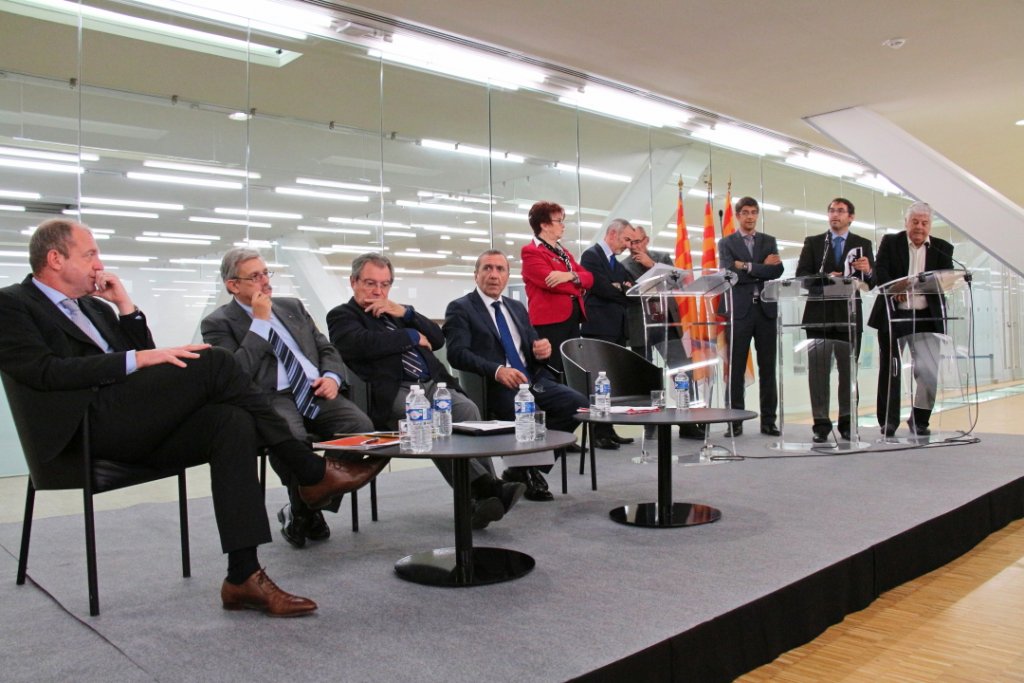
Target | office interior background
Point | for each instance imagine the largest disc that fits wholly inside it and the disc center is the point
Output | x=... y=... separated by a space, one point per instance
x=177 y=131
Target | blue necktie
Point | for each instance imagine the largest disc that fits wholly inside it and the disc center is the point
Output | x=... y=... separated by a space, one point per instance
x=837 y=248
x=302 y=390
x=412 y=361
x=612 y=261
x=511 y=352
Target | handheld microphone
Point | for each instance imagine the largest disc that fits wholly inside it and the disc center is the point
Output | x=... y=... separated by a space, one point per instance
x=828 y=248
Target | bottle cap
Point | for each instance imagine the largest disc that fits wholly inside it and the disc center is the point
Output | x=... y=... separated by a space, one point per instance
x=442 y=385
x=524 y=386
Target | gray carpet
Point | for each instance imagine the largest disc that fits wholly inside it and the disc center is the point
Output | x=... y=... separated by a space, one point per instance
x=600 y=591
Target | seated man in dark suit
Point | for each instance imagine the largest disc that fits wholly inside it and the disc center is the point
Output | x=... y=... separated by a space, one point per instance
x=390 y=346
x=490 y=335
x=268 y=337
x=162 y=408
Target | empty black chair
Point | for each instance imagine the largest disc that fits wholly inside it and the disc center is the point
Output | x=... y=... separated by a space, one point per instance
x=632 y=377
x=75 y=468
x=360 y=394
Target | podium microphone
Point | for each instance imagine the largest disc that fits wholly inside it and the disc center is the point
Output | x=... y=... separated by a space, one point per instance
x=967 y=273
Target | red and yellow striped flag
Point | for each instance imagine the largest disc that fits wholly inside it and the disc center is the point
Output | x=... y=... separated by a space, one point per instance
x=684 y=261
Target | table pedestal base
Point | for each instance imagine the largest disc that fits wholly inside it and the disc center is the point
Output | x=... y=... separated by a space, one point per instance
x=482 y=566
x=679 y=514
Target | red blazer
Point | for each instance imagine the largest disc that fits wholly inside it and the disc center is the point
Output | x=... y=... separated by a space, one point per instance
x=549 y=305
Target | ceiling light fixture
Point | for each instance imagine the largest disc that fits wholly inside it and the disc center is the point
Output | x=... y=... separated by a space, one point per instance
x=110 y=212
x=181 y=235
x=257 y=15
x=343 y=186
x=207 y=183
x=366 y=221
x=303 y=192
x=132 y=203
x=449 y=230
x=47 y=156
x=825 y=164
x=435 y=207
x=228 y=221
x=877 y=181
x=337 y=231
x=11 y=207
x=170 y=240
x=472 y=150
x=592 y=172
x=29 y=165
x=622 y=105
x=260 y=214
x=200 y=168
x=811 y=215
x=741 y=139
x=17 y=194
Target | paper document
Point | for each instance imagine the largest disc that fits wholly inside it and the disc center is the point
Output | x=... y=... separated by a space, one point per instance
x=359 y=442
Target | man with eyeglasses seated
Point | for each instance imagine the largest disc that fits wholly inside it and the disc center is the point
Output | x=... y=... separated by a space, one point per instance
x=390 y=346
x=277 y=343
x=75 y=343
x=490 y=335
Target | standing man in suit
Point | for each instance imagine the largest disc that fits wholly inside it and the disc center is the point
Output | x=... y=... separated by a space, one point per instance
x=907 y=253
x=62 y=342
x=391 y=347
x=754 y=257
x=607 y=304
x=828 y=322
x=490 y=335
x=265 y=334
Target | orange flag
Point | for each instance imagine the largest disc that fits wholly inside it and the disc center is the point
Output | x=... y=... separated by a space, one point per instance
x=684 y=261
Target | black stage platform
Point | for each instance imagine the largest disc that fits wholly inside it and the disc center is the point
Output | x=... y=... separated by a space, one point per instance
x=801 y=543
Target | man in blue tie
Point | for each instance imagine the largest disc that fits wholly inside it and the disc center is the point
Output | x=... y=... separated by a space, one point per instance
x=277 y=343
x=829 y=329
x=608 y=304
x=490 y=335
x=391 y=347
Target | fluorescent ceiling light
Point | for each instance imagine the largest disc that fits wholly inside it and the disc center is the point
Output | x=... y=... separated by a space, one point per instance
x=582 y=170
x=399 y=233
x=261 y=214
x=302 y=192
x=622 y=105
x=511 y=214
x=478 y=240
x=199 y=168
x=450 y=230
x=449 y=59
x=14 y=254
x=111 y=212
x=340 y=231
x=197 y=261
x=228 y=221
x=185 y=180
x=181 y=235
x=11 y=207
x=343 y=186
x=436 y=207
x=170 y=240
x=825 y=164
x=29 y=165
x=257 y=15
x=472 y=150
x=517 y=236
x=125 y=258
x=366 y=221
x=47 y=156
x=350 y=249
x=811 y=215
x=877 y=181
x=170 y=270
x=459 y=273
x=256 y=244
x=788 y=243
x=591 y=224
x=96 y=19
x=135 y=204
x=17 y=194
x=767 y=207
x=739 y=138
x=419 y=254
x=455 y=197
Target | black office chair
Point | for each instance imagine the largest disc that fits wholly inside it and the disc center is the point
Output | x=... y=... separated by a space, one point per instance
x=360 y=394
x=632 y=377
x=75 y=468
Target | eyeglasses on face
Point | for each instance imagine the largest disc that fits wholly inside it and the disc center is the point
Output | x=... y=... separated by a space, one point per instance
x=374 y=284
x=257 y=277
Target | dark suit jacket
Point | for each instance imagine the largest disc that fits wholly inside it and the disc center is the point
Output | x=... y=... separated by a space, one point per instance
x=635 y=312
x=606 y=303
x=374 y=352
x=894 y=263
x=44 y=351
x=732 y=249
x=474 y=344
x=228 y=327
x=818 y=313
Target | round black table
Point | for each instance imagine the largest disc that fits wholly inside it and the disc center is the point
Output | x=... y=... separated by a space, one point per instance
x=666 y=513
x=465 y=565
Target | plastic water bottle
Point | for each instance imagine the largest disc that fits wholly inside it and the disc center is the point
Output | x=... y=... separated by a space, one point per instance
x=603 y=393
x=681 y=388
x=442 y=410
x=420 y=422
x=525 y=426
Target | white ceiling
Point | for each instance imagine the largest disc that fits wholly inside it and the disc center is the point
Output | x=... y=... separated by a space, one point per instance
x=957 y=84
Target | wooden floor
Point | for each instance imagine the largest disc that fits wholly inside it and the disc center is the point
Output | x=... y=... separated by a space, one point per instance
x=962 y=622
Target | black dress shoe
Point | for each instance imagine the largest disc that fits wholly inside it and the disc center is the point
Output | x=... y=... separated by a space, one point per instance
x=318 y=529
x=694 y=431
x=734 y=431
x=845 y=435
x=294 y=530
x=889 y=430
x=621 y=439
x=770 y=429
x=606 y=443
x=485 y=511
x=537 y=487
x=919 y=429
x=820 y=437
x=509 y=493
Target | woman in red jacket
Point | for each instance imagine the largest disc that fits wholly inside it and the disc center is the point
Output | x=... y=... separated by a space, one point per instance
x=555 y=283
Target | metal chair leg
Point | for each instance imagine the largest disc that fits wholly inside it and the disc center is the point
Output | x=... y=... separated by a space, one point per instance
x=355 y=510
x=26 y=532
x=373 y=499
x=186 y=555
x=90 y=552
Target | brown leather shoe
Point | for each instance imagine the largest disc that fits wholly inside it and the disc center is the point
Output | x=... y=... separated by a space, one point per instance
x=260 y=593
x=342 y=476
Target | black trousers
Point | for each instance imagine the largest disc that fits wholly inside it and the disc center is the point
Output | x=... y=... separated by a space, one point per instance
x=206 y=412
x=761 y=329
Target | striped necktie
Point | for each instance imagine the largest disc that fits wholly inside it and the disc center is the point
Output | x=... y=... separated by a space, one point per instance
x=301 y=388
x=412 y=361
x=78 y=318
